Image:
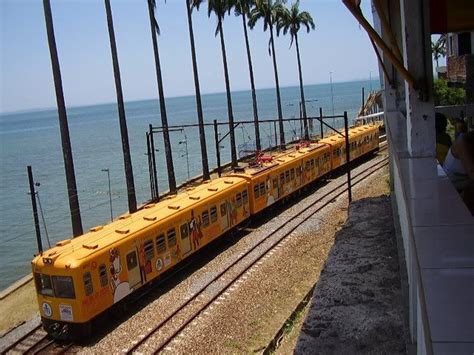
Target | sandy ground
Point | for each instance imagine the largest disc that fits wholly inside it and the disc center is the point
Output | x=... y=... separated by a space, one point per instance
x=357 y=304
x=18 y=307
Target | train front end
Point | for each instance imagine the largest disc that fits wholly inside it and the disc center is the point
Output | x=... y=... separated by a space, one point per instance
x=57 y=291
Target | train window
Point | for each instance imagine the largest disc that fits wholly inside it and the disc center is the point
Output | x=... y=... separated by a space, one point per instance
x=171 y=234
x=316 y=162
x=292 y=174
x=238 y=199
x=282 y=179
x=149 y=251
x=307 y=165
x=287 y=176
x=275 y=184
x=205 y=218
x=44 y=285
x=88 y=282
x=223 y=210
x=184 y=229
x=256 y=191
x=262 y=189
x=63 y=286
x=103 y=275
x=213 y=211
x=132 y=261
x=298 y=171
x=160 y=243
x=245 y=196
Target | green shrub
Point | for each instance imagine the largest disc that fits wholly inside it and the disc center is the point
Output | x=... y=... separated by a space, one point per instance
x=445 y=96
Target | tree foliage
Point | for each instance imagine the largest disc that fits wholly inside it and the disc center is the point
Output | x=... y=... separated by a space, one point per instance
x=446 y=96
x=291 y=20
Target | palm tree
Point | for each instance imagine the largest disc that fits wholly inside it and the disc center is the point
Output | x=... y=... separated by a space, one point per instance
x=63 y=124
x=269 y=11
x=242 y=8
x=132 y=200
x=202 y=132
x=219 y=8
x=155 y=29
x=438 y=48
x=291 y=20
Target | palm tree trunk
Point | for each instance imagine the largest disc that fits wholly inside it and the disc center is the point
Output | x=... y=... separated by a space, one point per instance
x=277 y=84
x=229 y=97
x=164 y=118
x=252 y=84
x=63 y=124
x=303 y=102
x=132 y=201
x=202 y=132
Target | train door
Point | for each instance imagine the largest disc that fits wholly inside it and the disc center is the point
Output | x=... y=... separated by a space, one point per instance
x=185 y=240
x=134 y=277
x=224 y=213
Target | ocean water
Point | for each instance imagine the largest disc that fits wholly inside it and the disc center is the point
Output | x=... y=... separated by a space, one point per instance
x=32 y=138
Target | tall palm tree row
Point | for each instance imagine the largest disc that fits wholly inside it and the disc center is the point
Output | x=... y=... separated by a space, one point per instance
x=269 y=11
x=155 y=29
x=242 y=8
x=220 y=8
x=202 y=132
x=291 y=20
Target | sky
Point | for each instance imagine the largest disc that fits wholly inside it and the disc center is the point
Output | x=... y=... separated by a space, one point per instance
x=338 y=45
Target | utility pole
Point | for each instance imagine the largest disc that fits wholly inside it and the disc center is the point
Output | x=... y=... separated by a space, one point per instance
x=63 y=124
x=110 y=193
x=35 y=209
x=332 y=100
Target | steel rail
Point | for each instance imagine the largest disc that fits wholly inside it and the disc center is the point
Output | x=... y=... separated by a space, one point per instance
x=22 y=339
x=155 y=329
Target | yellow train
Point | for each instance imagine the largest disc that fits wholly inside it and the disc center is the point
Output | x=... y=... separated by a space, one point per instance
x=82 y=277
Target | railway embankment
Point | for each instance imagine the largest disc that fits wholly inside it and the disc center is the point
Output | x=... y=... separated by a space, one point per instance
x=357 y=305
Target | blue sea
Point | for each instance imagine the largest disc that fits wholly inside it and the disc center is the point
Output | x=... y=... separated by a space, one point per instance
x=32 y=138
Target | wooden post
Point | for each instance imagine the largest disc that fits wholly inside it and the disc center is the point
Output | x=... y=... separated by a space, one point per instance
x=218 y=151
x=321 y=121
x=63 y=124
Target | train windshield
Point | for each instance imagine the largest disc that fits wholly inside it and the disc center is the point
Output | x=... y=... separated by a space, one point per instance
x=55 y=286
x=44 y=285
x=63 y=286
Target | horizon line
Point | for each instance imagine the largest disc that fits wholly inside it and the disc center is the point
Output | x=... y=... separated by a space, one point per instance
x=39 y=109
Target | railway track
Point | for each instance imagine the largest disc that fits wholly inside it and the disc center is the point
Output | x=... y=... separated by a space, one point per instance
x=167 y=330
x=36 y=341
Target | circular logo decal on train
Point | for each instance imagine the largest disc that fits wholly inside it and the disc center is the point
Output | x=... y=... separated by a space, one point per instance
x=48 y=312
x=159 y=264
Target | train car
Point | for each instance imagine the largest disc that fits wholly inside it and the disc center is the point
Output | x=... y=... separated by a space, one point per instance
x=80 y=278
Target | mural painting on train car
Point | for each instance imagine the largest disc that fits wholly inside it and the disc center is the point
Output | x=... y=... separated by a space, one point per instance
x=120 y=288
x=195 y=230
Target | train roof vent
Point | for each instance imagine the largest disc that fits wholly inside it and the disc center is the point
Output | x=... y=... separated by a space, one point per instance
x=239 y=169
x=230 y=182
x=122 y=231
x=174 y=207
x=292 y=155
x=151 y=219
x=90 y=246
x=281 y=160
x=213 y=189
x=63 y=242
x=125 y=216
x=150 y=205
x=195 y=198
x=96 y=228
